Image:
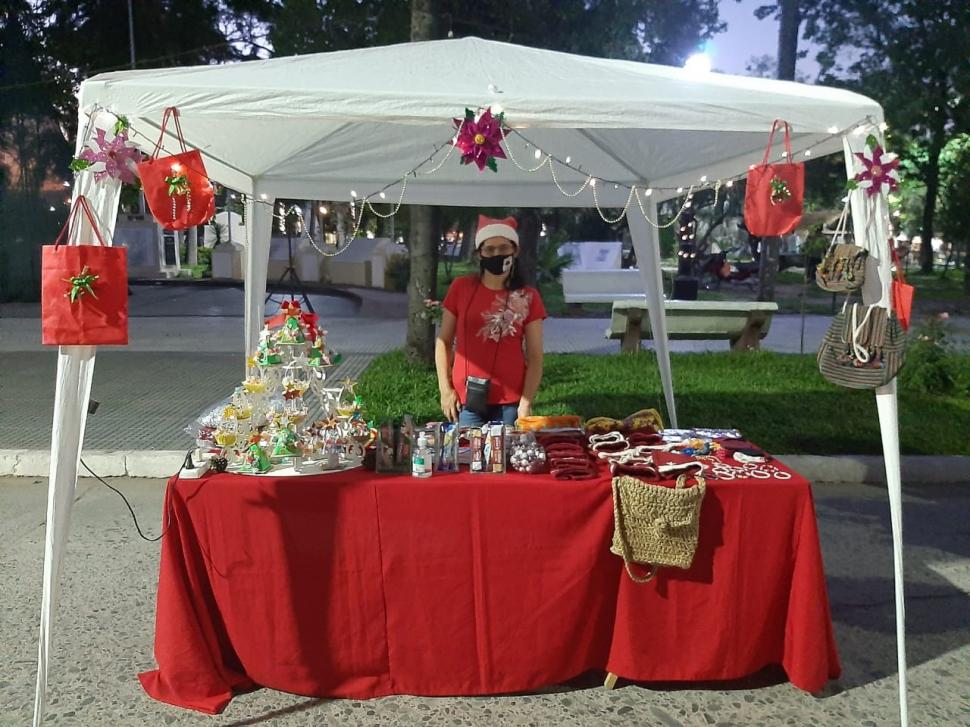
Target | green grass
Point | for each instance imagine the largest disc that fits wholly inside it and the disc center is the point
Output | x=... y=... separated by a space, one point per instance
x=779 y=401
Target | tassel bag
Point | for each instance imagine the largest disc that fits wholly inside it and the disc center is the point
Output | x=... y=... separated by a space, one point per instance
x=84 y=287
x=656 y=525
x=843 y=269
x=177 y=187
x=864 y=347
x=774 y=192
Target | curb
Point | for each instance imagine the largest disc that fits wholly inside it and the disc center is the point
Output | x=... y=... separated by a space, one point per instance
x=849 y=469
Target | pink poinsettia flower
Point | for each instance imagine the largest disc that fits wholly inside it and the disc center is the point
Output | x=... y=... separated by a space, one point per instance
x=115 y=158
x=879 y=172
x=480 y=140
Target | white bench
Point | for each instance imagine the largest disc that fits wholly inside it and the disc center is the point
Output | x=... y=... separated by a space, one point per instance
x=742 y=323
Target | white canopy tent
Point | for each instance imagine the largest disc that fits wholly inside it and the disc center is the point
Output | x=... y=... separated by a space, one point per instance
x=362 y=122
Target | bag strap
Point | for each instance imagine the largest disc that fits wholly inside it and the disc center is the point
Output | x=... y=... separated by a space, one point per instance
x=173 y=113
x=900 y=275
x=771 y=140
x=621 y=536
x=81 y=203
x=859 y=351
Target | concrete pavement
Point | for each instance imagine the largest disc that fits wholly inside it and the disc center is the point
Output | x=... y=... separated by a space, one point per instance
x=104 y=631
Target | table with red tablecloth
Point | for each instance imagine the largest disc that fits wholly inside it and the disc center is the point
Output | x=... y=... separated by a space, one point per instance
x=359 y=585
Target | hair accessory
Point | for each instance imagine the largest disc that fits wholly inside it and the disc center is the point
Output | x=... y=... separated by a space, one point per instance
x=492 y=227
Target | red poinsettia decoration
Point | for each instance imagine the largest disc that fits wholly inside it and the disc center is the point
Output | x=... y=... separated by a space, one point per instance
x=480 y=140
x=879 y=170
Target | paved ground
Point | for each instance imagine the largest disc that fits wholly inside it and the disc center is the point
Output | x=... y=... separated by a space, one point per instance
x=103 y=637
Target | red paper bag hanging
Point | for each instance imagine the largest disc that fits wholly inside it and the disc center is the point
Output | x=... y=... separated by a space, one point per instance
x=177 y=188
x=84 y=288
x=900 y=291
x=774 y=192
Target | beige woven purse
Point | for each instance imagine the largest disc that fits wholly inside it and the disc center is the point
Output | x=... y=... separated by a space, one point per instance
x=656 y=525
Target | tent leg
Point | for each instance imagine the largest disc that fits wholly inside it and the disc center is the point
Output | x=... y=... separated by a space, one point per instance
x=646 y=243
x=889 y=427
x=75 y=370
x=259 y=227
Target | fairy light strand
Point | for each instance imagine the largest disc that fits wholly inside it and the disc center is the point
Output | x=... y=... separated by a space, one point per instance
x=634 y=191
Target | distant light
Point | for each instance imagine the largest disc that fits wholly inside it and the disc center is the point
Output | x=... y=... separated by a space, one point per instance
x=66 y=183
x=698 y=63
x=808 y=152
x=730 y=183
x=353 y=193
x=53 y=209
x=323 y=209
x=883 y=126
x=833 y=129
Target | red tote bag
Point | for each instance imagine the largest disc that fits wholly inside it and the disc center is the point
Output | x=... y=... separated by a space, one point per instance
x=84 y=288
x=177 y=188
x=774 y=192
x=901 y=292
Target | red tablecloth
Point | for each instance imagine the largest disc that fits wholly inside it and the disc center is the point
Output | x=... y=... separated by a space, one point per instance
x=361 y=585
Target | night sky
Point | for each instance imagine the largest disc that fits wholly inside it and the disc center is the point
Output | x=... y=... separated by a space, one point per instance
x=746 y=36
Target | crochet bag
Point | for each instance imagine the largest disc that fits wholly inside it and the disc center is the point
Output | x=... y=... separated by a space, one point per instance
x=843 y=269
x=656 y=525
x=864 y=347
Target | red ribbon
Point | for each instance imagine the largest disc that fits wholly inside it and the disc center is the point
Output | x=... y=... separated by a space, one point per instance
x=292 y=308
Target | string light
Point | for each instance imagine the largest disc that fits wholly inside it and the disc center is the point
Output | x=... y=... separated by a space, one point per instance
x=545 y=158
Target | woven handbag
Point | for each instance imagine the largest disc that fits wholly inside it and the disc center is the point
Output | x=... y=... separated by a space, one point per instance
x=843 y=269
x=864 y=347
x=656 y=525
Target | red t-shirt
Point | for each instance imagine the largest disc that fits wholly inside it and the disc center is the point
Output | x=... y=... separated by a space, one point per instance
x=491 y=325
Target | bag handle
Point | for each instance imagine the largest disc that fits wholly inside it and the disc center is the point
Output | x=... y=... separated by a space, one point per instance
x=771 y=140
x=624 y=546
x=81 y=203
x=173 y=113
x=900 y=276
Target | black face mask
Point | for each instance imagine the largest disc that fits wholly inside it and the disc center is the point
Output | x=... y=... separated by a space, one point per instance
x=497 y=264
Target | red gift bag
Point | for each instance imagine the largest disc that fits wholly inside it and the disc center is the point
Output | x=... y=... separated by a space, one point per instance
x=901 y=292
x=177 y=188
x=774 y=193
x=84 y=288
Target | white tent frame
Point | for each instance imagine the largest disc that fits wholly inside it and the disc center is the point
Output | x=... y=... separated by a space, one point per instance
x=123 y=93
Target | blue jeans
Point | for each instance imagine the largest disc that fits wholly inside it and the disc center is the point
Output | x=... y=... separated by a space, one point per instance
x=506 y=413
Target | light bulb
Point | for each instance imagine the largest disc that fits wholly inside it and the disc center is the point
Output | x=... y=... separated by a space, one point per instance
x=592 y=181
x=323 y=210
x=704 y=178
x=263 y=195
x=66 y=183
x=730 y=183
x=808 y=152
x=833 y=129
x=383 y=196
x=568 y=159
x=353 y=193
x=232 y=196
x=883 y=126
x=680 y=190
x=497 y=108
x=538 y=154
x=649 y=192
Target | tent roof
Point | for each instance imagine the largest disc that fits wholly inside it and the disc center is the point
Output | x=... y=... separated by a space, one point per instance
x=317 y=126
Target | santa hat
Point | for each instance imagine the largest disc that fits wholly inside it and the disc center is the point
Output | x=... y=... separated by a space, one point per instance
x=490 y=227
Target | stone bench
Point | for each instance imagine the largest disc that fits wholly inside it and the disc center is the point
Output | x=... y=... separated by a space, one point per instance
x=742 y=323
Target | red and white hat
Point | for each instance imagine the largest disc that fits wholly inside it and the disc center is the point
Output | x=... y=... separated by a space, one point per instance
x=491 y=227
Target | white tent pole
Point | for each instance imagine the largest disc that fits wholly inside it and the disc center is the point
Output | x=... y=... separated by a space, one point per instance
x=870 y=223
x=259 y=228
x=646 y=244
x=75 y=370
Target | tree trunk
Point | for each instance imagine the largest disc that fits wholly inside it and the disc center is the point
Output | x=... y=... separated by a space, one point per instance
x=423 y=239
x=788 y=39
x=529 y=226
x=932 y=180
x=966 y=269
x=423 y=245
x=192 y=247
x=768 y=270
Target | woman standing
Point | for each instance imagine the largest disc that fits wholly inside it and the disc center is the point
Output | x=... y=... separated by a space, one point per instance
x=488 y=353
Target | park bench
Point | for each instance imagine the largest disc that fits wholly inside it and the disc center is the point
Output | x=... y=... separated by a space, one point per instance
x=742 y=323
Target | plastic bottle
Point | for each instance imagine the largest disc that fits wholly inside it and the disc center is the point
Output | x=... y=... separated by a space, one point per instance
x=421 y=458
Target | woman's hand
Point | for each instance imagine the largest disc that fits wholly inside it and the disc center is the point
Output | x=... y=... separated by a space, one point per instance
x=449 y=404
x=525 y=409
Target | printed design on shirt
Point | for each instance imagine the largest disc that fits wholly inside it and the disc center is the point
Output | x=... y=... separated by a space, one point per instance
x=501 y=320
